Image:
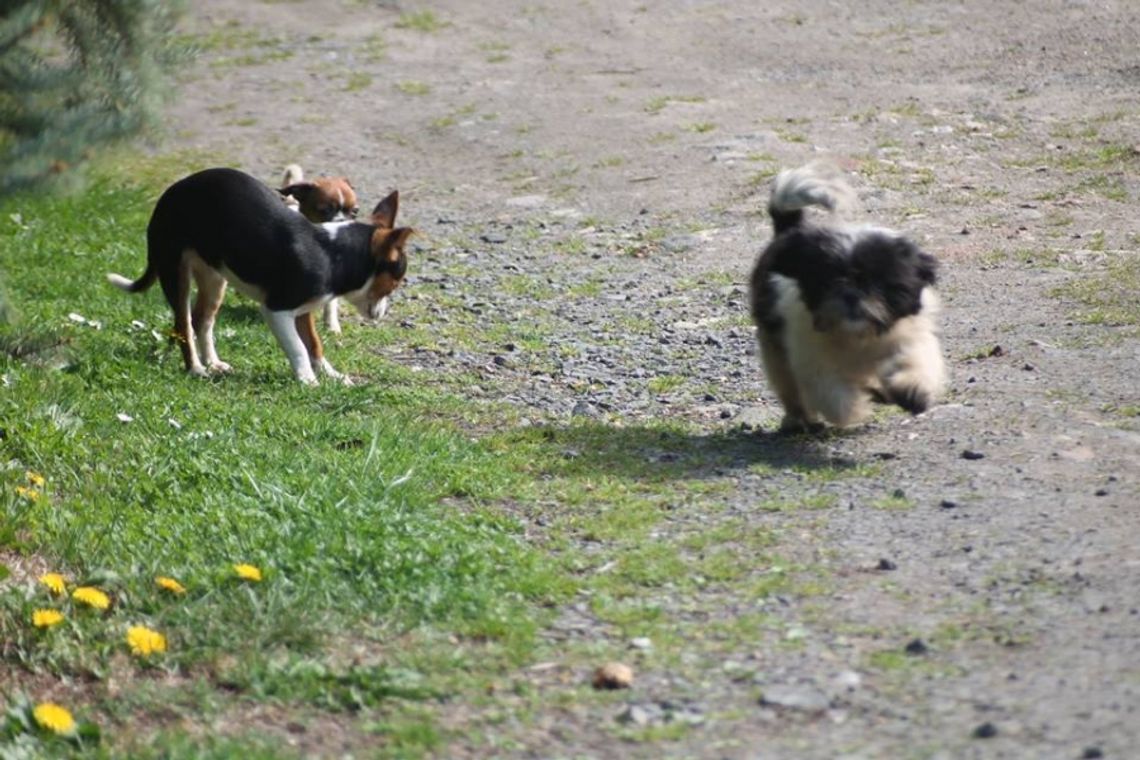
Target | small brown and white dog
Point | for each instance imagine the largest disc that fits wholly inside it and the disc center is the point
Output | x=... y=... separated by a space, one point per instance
x=221 y=225
x=845 y=313
x=324 y=199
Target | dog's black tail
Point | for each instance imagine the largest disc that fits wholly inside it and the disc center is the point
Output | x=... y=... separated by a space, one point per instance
x=793 y=190
x=142 y=283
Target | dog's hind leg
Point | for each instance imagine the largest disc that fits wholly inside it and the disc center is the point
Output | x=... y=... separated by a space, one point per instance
x=283 y=326
x=307 y=330
x=174 y=276
x=211 y=291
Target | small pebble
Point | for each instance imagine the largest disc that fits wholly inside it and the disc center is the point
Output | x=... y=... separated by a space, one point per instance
x=947 y=504
x=969 y=454
x=1102 y=492
x=1091 y=753
x=613 y=675
x=985 y=731
x=886 y=564
x=635 y=715
x=917 y=646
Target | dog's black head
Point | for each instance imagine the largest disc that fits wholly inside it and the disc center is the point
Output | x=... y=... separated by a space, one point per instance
x=857 y=280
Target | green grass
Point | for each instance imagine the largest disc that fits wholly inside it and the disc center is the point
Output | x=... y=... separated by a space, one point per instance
x=387 y=518
x=232 y=44
x=413 y=88
x=421 y=21
x=361 y=505
x=357 y=81
x=1107 y=297
x=657 y=105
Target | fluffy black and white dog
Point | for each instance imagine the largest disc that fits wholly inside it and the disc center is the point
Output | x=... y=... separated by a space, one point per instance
x=845 y=314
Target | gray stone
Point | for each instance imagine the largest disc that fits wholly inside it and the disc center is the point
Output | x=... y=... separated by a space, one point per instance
x=795 y=697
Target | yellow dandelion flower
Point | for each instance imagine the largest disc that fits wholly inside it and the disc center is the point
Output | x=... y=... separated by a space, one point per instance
x=30 y=494
x=46 y=618
x=169 y=584
x=55 y=582
x=35 y=479
x=143 y=641
x=54 y=718
x=92 y=597
x=248 y=572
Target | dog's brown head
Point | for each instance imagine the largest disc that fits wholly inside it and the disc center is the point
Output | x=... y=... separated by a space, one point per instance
x=324 y=199
x=390 y=260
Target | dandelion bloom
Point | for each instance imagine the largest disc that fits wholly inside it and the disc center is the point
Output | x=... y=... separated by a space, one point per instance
x=30 y=494
x=143 y=641
x=35 y=479
x=92 y=597
x=46 y=618
x=54 y=718
x=248 y=572
x=169 y=584
x=55 y=582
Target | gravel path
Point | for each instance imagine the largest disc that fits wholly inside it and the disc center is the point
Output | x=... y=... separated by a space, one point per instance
x=590 y=177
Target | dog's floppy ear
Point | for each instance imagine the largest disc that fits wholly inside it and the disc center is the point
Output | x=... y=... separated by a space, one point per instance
x=301 y=191
x=926 y=267
x=384 y=215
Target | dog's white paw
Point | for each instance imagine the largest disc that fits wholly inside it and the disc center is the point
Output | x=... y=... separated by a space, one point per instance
x=197 y=371
x=220 y=366
x=327 y=369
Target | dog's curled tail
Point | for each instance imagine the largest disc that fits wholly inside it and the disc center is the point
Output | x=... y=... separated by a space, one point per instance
x=133 y=286
x=293 y=175
x=793 y=190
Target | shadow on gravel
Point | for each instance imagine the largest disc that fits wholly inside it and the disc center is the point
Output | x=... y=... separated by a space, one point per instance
x=658 y=453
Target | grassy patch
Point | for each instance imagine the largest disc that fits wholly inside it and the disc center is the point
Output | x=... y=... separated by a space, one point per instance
x=665 y=383
x=657 y=105
x=232 y=44
x=421 y=21
x=374 y=48
x=361 y=506
x=357 y=81
x=1107 y=297
x=1032 y=257
x=413 y=88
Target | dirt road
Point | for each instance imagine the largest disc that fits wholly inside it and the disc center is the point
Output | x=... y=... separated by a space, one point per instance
x=596 y=173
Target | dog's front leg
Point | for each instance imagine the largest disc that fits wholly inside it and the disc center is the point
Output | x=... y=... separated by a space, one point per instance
x=332 y=316
x=284 y=328
x=307 y=329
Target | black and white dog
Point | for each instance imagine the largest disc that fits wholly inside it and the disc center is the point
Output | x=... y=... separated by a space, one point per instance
x=844 y=313
x=221 y=225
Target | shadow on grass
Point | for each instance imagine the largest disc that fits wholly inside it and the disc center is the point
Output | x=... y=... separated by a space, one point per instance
x=657 y=453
